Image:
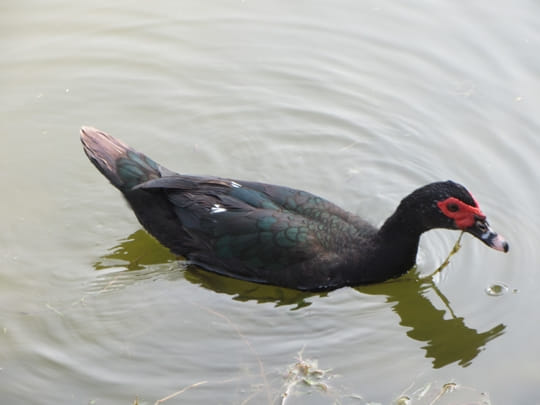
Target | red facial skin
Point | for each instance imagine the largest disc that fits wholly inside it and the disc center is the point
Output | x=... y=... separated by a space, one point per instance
x=464 y=215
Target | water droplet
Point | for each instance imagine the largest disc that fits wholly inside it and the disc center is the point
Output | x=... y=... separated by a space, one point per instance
x=497 y=289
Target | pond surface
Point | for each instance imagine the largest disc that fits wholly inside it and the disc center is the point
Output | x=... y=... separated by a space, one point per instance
x=358 y=101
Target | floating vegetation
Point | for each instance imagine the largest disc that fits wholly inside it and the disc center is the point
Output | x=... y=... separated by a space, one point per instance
x=175 y=394
x=304 y=378
x=306 y=372
x=446 y=261
x=403 y=400
x=449 y=393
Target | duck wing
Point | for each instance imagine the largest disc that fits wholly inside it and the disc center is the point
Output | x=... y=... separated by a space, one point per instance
x=255 y=231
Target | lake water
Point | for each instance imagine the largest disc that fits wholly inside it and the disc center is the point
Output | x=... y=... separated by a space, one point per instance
x=358 y=101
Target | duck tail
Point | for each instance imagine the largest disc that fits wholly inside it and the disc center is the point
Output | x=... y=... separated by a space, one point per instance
x=123 y=166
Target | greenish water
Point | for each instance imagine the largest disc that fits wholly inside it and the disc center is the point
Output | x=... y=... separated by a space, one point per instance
x=359 y=102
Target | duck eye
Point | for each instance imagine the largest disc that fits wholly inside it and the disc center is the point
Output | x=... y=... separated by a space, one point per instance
x=452 y=207
x=482 y=226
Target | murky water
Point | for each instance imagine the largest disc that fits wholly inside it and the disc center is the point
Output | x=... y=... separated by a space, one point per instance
x=360 y=102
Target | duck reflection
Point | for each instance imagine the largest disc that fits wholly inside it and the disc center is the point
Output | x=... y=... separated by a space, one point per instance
x=447 y=338
x=140 y=250
x=135 y=252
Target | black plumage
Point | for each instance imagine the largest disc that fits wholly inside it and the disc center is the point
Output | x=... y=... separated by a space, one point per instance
x=278 y=235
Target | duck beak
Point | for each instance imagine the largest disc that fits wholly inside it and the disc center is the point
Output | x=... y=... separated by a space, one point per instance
x=483 y=231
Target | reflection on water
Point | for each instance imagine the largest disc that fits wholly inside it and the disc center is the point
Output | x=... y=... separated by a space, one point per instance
x=135 y=252
x=448 y=339
x=246 y=291
x=140 y=250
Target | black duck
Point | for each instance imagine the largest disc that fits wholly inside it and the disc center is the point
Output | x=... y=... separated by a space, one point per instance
x=278 y=235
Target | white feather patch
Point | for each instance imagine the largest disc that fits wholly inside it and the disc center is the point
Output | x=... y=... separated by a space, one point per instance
x=216 y=209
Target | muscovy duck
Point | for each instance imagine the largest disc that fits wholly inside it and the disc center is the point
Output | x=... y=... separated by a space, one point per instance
x=278 y=235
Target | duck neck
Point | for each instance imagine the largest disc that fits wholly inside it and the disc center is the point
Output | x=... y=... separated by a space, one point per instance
x=398 y=243
x=403 y=222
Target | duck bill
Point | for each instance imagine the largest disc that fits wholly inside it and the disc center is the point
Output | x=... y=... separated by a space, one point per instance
x=483 y=231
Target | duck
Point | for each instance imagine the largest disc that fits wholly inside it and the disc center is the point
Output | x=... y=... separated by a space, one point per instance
x=278 y=235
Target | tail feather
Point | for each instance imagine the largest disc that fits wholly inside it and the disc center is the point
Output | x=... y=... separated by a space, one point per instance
x=123 y=166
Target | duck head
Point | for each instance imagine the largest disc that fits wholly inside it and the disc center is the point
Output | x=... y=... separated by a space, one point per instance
x=464 y=213
x=452 y=206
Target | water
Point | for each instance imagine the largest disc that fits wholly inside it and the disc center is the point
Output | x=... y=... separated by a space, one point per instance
x=360 y=102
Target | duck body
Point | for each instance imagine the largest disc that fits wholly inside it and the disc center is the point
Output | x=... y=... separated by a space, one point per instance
x=272 y=234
